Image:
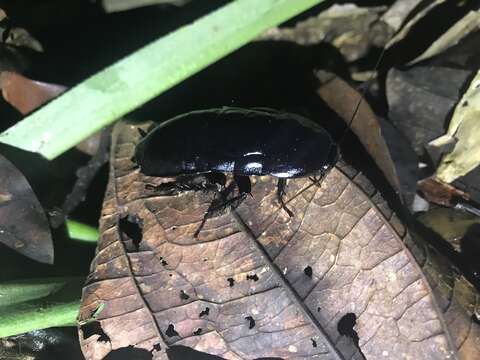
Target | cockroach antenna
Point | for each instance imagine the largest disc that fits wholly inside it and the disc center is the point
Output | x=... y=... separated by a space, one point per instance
x=361 y=97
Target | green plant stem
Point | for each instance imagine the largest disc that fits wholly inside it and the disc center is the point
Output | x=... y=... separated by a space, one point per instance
x=146 y=73
x=35 y=315
x=33 y=304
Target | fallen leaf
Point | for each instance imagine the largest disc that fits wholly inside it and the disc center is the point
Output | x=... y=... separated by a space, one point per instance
x=23 y=226
x=420 y=100
x=365 y=126
x=258 y=283
x=346 y=26
x=440 y=193
x=450 y=224
x=26 y=95
x=407 y=27
x=396 y=14
x=465 y=26
x=464 y=130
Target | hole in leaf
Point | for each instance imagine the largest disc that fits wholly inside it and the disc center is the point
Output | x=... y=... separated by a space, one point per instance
x=180 y=352
x=314 y=343
x=94 y=328
x=205 y=312
x=131 y=226
x=129 y=352
x=184 y=295
x=345 y=327
x=198 y=331
x=475 y=319
x=308 y=271
x=253 y=277
x=251 y=325
x=157 y=347
x=231 y=282
x=171 y=331
x=163 y=261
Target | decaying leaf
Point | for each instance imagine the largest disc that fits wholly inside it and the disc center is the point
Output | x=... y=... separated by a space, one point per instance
x=364 y=123
x=26 y=95
x=347 y=27
x=404 y=31
x=440 y=193
x=23 y=226
x=334 y=281
x=450 y=224
x=420 y=100
x=467 y=25
x=398 y=12
x=464 y=130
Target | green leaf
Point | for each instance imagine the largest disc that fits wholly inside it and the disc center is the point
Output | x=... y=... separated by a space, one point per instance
x=146 y=73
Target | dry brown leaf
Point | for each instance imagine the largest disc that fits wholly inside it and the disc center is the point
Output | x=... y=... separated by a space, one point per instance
x=440 y=193
x=243 y=289
x=23 y=226
x=26 y=95
x=364 y=124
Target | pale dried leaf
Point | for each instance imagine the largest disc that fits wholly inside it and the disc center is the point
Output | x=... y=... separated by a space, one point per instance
x=464 y=129
x=404 y=31
x=467 y=25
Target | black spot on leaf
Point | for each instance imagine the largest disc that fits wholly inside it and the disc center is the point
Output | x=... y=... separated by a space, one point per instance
x=314 y=343
x=253 y=277
x=94 y=328
x=198 y=331
x=131 y=229
x=171 y=331
x=157 y=347
x=319 y=309
x=308 y=271
x=231 y=282
x=163 y=261
x=251 y=325
x=184 y=295
x=205 y=312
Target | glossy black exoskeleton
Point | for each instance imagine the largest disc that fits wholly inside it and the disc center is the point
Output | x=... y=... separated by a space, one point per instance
x=237 y=141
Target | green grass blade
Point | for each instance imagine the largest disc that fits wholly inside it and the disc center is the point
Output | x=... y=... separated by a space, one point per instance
x=132 y=81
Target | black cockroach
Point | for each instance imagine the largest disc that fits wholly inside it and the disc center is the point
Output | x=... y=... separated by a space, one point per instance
x=242 y=142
